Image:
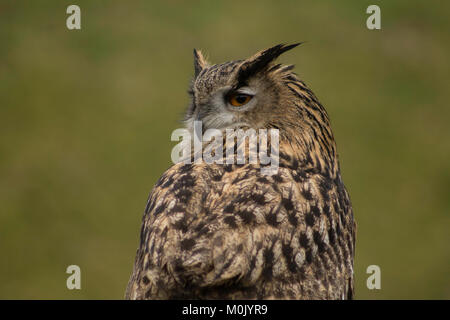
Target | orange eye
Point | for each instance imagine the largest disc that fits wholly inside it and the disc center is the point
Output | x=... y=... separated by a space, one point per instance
x=239 y=99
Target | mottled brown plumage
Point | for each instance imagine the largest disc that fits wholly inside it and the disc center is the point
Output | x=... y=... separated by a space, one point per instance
x=218 y=231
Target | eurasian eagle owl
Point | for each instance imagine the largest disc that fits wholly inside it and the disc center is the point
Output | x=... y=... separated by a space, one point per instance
x=228 y=231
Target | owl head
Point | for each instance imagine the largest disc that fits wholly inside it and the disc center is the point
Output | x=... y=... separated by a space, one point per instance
x=252 y=93
x=256 y=93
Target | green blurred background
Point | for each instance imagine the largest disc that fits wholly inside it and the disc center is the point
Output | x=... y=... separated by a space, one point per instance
x=86 y=117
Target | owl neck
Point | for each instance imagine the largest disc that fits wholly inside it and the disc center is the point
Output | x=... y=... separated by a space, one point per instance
x=305 y=135
x=303 y=152
x=297 y=148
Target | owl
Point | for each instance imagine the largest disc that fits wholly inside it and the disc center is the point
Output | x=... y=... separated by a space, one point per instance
x=231 y=231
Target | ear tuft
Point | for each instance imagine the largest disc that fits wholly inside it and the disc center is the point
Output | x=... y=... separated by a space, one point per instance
x=199 y=62
x=261 y=59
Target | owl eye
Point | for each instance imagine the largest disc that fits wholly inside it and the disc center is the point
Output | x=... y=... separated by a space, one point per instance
x=239 y=99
